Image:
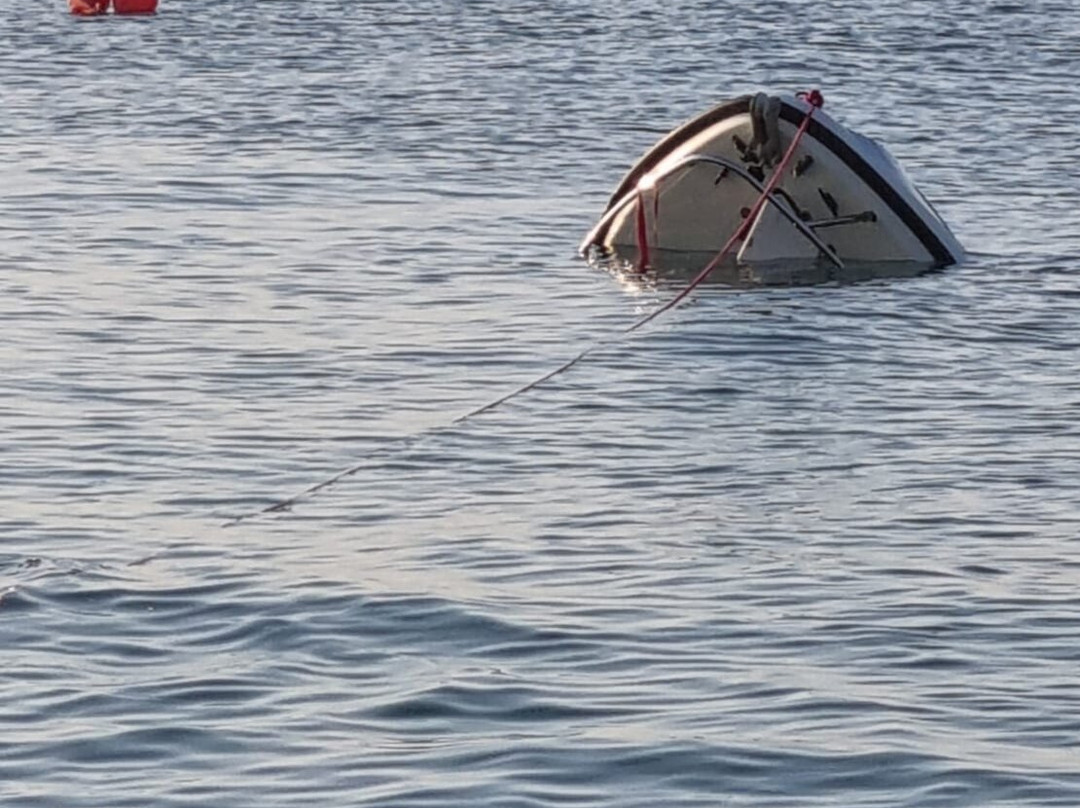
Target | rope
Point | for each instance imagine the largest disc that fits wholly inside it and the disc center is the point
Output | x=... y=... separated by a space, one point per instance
x=813 y=98
x=816 y=101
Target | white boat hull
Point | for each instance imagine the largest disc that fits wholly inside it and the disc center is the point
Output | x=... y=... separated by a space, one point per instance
x=842 y=197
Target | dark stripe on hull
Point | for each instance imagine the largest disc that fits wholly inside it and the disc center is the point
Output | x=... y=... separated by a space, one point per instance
x=853 y=160
x=676 y=138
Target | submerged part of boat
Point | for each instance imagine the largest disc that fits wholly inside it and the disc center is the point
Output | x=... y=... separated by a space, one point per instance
x=672 y=270
x=843 y=197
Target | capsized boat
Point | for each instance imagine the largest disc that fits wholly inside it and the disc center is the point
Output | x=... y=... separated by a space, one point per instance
x=843 y=197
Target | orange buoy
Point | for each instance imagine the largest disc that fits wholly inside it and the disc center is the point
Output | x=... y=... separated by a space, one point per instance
x=135 y=6
x=88 y=8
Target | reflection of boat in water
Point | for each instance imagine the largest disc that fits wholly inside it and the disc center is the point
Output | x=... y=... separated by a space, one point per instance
x=675 y=268
x=843 y=199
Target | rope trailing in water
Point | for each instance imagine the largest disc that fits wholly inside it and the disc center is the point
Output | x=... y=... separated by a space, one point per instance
x=813 y=98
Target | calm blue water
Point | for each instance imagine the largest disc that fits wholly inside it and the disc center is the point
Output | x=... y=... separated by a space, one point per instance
x=798 y=546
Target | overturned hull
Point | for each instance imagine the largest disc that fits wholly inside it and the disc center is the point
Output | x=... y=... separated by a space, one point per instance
x=842 y=198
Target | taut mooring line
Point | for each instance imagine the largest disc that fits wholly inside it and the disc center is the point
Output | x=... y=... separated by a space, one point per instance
x=813 y=98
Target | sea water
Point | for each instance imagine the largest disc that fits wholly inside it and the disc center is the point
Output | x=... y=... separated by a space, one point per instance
x=797 y=545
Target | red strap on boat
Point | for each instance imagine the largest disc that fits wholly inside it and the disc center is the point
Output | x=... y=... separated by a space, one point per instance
x=642 y=232
x=655 y=210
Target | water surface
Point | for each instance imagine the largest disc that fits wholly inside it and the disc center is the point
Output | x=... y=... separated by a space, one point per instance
x=792 y=546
